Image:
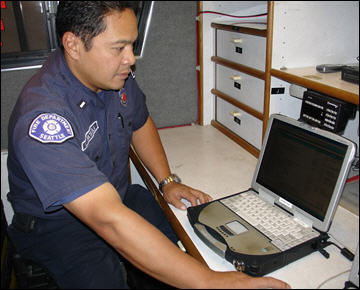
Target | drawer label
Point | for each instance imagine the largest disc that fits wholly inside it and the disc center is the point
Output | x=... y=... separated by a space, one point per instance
x=277 y=91
x=237 y=120
x=237 y=85
x=238 y=49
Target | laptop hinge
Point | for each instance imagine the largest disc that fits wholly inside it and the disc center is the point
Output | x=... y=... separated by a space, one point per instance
x=302 y=219
x=264 y=195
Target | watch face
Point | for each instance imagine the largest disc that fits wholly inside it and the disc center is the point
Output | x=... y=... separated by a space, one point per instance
x=174 y=177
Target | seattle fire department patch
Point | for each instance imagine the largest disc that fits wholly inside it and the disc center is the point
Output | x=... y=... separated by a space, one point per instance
x=50 y=128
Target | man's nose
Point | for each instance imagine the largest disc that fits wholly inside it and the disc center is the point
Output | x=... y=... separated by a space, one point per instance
x=129 y=57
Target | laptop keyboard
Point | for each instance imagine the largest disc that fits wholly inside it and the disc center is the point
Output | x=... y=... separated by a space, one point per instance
x=284 y=230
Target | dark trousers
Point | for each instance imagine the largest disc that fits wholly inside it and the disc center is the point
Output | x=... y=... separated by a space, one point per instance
x=75 y=255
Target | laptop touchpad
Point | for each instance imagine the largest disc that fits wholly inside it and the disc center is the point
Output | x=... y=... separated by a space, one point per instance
x=236 y=227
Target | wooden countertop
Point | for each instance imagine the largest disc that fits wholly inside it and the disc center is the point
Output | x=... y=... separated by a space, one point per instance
x=328 y=83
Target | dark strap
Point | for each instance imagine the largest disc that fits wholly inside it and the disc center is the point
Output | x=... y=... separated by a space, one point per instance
x=24 y=222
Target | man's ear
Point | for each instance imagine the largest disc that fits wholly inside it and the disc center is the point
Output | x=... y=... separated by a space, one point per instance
x=72 y=44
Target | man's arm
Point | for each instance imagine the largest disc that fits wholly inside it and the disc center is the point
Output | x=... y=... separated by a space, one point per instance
x=147 y=248
x=148 y=146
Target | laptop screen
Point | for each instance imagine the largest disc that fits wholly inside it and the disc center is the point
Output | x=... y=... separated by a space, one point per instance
x=302 y=166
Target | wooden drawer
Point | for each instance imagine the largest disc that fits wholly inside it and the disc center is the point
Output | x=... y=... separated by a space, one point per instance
x=246 y=89
x=245 y=49
x=246 y=126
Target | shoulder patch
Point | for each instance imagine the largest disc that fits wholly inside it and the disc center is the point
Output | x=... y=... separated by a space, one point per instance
x=50 y=128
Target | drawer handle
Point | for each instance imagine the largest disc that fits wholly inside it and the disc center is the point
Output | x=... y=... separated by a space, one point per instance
x=235 y=114
x=236 y=40
x=235 y=78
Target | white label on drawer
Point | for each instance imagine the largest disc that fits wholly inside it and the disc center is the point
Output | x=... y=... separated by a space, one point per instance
x=285 y=202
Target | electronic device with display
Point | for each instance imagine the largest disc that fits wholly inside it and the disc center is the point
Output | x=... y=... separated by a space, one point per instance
x=326 y=112
x=298 y=180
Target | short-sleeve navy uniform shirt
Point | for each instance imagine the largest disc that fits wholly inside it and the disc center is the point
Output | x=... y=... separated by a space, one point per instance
x=65 y=139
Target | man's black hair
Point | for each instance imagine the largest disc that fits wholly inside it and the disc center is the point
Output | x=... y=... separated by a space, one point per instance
x=86 y=18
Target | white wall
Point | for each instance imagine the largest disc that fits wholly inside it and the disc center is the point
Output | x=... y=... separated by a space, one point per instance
x=307 y=33
x=5 y=187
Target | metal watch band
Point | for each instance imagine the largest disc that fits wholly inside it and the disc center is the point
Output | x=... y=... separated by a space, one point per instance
x=172 y=178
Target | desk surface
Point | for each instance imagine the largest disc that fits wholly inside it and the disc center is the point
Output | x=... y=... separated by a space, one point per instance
x=207 y=160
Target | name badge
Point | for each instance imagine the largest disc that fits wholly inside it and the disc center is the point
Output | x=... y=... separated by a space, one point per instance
x=89 y=135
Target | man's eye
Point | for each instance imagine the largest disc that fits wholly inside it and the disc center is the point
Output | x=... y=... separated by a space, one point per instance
x=120 y=48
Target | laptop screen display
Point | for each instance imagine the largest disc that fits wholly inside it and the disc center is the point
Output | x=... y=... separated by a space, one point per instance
x=301 y=167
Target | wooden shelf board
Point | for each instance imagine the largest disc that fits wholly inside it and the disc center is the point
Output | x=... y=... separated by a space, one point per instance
x=327 y=83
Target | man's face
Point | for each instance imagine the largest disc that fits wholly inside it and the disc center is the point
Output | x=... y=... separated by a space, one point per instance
x=107 y=64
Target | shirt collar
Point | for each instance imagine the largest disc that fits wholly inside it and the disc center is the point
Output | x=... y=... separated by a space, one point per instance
x=80 y=92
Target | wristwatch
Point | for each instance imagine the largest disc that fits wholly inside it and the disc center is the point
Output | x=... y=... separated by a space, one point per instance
x=172 y=178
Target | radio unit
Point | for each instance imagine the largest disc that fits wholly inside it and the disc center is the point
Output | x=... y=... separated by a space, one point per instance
x=326 y=112
x=350 y=73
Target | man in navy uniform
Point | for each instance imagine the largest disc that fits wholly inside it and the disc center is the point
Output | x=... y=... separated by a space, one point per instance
x=69 y=138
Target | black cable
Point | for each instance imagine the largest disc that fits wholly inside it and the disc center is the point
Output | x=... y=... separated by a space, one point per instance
x=344 y=251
